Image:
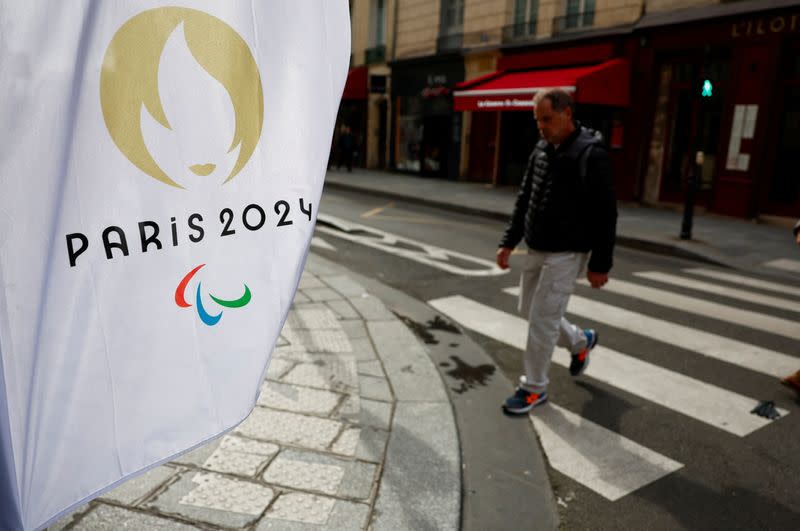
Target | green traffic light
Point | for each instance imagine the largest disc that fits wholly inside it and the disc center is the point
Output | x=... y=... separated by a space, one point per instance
x=708 y=89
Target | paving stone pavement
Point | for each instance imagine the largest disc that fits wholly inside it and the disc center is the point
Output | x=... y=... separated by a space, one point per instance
x=352 y=421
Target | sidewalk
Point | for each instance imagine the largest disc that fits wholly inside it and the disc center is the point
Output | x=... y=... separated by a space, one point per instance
x=724 y=241
x=354 y=429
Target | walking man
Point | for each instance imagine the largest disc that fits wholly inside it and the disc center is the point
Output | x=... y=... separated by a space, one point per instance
x=566 y=211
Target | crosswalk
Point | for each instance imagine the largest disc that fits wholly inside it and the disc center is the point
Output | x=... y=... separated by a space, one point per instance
x=784 y=264
x=608 y=462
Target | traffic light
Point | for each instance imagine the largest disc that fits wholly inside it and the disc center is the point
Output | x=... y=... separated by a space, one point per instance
x=708 y=89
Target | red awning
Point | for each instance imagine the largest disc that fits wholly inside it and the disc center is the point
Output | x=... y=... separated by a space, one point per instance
x=604 y=84
x=356 y=86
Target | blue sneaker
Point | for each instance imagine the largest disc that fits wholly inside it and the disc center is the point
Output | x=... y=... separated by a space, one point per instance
x=523 y=401
x=581 y=360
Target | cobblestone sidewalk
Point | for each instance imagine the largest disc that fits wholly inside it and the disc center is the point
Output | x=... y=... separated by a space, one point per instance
x=353 y=430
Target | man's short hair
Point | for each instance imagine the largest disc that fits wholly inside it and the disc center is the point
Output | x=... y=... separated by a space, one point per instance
x=560 y=99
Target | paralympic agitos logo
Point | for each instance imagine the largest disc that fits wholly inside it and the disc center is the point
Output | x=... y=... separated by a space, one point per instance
x=210 y=320
x=142 y=116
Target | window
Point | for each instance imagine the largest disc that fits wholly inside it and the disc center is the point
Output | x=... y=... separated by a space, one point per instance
x=452 y=16
x=378 y=23
x=580 y=14
x=525 y=15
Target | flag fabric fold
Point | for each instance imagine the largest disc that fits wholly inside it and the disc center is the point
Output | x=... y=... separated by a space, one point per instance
x=161 y=169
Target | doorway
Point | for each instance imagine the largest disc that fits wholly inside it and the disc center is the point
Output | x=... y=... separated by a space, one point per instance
x=697 y=94
x=519 y=136
x=783 y=182
x=482 y=146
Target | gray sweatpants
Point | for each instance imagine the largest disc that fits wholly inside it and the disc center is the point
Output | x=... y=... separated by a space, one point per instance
x=546 y=283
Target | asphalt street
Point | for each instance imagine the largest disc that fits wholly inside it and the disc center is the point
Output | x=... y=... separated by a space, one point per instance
x=711 y=474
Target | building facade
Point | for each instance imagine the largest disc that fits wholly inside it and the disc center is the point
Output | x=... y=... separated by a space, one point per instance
x=444 y=89
x=723 y=80
x=366 y=103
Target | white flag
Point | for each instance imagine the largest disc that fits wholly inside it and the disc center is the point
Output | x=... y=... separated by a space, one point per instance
x=161 y=169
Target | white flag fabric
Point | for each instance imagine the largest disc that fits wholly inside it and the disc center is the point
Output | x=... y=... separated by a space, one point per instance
x=161 y=168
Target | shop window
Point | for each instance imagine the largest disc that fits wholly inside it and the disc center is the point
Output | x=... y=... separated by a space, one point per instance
x=410 y=131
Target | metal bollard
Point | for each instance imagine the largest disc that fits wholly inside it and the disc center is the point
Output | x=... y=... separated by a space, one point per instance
x=691 y=190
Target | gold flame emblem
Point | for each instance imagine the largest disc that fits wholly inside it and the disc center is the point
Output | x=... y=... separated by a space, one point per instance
x=129 y=83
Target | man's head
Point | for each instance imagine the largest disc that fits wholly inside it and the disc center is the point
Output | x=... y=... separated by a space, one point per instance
x=554 y=112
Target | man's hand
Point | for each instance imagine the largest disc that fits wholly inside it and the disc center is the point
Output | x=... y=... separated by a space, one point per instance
x=597 y=280
x=797 y=239
x=502 y=257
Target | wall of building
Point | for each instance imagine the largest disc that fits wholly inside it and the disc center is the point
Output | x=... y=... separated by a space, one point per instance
x=484 y=21
x=671 y=5
x=417 y=27
x=618 y=12
x=360 y=20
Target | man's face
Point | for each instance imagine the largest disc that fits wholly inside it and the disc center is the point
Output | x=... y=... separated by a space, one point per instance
x=554 y=126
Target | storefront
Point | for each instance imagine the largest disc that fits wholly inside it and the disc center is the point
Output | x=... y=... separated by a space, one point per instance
x=501 y=104
x=426 y=133
x=725 y=81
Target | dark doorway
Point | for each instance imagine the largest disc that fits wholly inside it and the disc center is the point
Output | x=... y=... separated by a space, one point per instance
x=435 y=143
x=784 y=186
x=482 y=146
x=382 y=131
x=518 y=138
x=695 y=117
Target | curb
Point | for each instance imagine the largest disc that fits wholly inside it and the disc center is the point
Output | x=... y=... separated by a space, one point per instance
x=504 y=477
x=422 y=436
x=631 y=242
x=460 y=209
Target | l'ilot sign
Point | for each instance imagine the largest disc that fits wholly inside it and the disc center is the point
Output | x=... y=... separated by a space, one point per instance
x=173 y=160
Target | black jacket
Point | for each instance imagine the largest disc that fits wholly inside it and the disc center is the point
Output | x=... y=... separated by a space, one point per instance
x=558 y=209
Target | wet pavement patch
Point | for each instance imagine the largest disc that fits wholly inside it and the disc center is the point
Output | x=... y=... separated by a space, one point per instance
x=419 y=329
x=468 y=375
x=422 y=331
x=437 y=323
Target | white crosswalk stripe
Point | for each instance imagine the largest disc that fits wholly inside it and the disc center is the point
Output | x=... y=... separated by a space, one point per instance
x=746 y=318
x=785 y=264
x=606 y=461
x=707 y=403
x=316 y=241
x=717 y=289
x=742 y=280
x=600 y=459
x=725 y=349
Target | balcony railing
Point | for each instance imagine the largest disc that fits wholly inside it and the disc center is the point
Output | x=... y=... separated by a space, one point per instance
x=573 y=22
x=519 y=32
x=449 y=43
x=376 y=54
